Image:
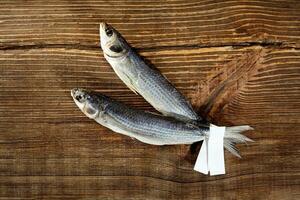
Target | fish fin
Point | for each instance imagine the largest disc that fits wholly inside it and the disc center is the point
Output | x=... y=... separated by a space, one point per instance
x=130 y=85
x=174 y=115
x=128 y=82
x=233 y=136
x=229 y=145
x=154 y=113
x=132 y=89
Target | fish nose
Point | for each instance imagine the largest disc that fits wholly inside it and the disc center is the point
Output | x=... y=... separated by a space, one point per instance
x=73 y=92
x=103 y=26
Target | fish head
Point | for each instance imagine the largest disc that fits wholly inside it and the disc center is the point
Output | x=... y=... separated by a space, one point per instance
x=87 y=102
x=112 y=43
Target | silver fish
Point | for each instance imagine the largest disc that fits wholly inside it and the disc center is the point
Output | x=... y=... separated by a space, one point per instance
x=147 y=127
x=141 y=78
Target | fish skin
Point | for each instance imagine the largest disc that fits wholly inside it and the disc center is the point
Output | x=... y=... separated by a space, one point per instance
x=144 y=126
x=142 y=79
x=155 y=88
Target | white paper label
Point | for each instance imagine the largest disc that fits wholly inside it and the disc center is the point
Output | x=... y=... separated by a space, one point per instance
x=211 y=155
x=201 y=164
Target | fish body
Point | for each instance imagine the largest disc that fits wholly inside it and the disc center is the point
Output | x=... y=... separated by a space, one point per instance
x=147 y=127
x=142 y=79
x=161 y=94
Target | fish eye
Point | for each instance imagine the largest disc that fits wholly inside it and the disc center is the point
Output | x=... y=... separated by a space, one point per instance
x=116 y=48
x=109 y=32
x=79 y=97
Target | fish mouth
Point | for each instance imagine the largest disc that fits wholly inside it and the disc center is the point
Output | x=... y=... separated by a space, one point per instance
x=102 y=28
x=73 y=91
x=103 y=25
x=104 y=39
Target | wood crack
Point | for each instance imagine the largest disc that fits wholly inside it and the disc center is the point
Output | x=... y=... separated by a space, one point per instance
x=228 y=80
x=271 y=44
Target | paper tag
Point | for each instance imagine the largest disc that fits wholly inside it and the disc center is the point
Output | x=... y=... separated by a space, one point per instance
x=216 y=163
x=201 y=164
x=211 y=155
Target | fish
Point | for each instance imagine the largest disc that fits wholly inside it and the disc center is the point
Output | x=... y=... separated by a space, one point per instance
x=143 y=79
x=147 y=127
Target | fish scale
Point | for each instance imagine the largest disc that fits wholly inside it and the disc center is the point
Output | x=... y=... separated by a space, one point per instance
x=135 y=122
x=149 y=127
x=159 y=129
x=158 y=91
x=162 y=96
x=142 y=79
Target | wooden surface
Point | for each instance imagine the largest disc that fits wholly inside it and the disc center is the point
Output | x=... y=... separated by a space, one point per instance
x=238 y=62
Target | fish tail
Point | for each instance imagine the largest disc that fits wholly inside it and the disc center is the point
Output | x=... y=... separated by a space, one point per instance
x=233 y=136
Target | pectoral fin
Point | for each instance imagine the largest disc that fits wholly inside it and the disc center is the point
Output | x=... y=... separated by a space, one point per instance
x=127 y=80
x=132 y=89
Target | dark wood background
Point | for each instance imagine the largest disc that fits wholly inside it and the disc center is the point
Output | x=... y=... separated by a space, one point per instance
x=238 y=62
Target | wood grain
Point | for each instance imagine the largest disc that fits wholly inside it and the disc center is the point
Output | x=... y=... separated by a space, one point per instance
x=238 y=62
x=160 y=23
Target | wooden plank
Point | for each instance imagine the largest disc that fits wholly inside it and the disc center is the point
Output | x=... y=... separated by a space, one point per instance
x=135 y=187
x=50 y=150
x=150 y=23
x=238 y=62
